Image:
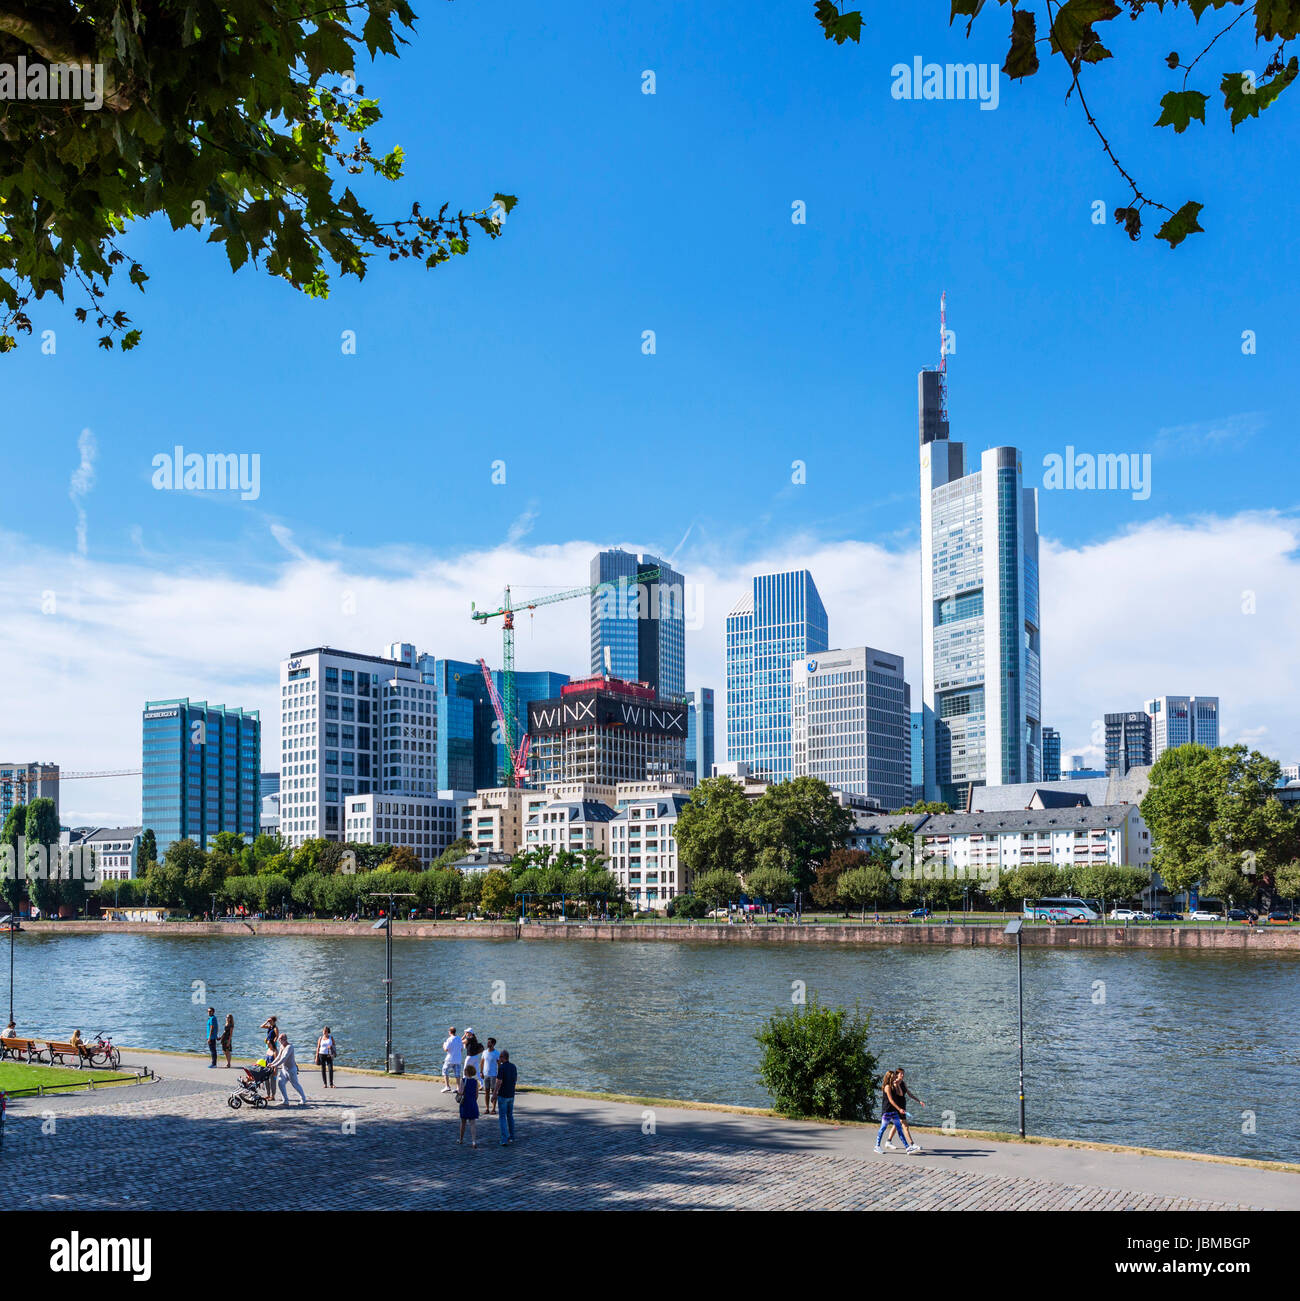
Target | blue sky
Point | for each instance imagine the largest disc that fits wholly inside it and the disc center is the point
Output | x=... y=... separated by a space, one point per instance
x=775 y=342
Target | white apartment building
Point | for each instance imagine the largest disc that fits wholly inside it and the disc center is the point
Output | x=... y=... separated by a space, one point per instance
x=851 y=723
x=351 y=725
x=116 y=850
x=495 y=819
x=643 y=850
x=574 y=825
x=1113 y=834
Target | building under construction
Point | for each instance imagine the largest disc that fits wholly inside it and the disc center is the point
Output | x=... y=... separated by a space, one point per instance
x=605 y=731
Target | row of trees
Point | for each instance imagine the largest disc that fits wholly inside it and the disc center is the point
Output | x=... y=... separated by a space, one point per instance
x=1216 y=822
x=330 y=879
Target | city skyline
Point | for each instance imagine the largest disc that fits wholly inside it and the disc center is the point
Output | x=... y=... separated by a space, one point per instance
x=778 y=400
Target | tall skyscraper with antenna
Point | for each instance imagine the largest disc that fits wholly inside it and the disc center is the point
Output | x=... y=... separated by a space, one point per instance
x=981 y=692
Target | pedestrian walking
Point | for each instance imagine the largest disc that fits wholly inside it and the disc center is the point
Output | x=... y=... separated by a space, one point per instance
x=326 y=1050
x=489 y=1060
x=507 y=1075
x=212 y=1036
x=894 y=1092
x=272 y=1028
x=228 y=1038
x=286 y=1069
x=467 y=1096
x=453 y=1048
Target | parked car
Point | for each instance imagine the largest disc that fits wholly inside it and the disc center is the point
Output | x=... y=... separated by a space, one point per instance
x=1240 y=915
x=719 y=912
x=1166 y=917
x=920 y=912
x=1125 y=915
x=1204 y=915
x=1279 y=918
x=785 y=912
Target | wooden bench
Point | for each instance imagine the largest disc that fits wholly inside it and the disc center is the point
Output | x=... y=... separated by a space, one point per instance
x=67 y=1050
x=20 y=1050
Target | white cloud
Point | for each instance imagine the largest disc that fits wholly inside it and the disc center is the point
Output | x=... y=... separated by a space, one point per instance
x=1155 y=610
x=82 y=481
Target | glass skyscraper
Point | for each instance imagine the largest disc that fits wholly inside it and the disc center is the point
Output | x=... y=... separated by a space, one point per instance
x=471 y=755
x=201 y=771
x=699 y=733
x=1182 y=720
x=981 y=700
x=638 y=630
x=779 y=620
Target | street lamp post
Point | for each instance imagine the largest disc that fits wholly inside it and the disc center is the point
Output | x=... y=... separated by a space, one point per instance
x=386 y=924
x=1014 y=928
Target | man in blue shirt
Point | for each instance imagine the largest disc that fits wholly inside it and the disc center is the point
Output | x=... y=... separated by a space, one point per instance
x=507 y=1074
x=212 y=1035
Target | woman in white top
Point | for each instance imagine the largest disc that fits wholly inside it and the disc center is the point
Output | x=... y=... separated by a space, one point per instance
x=326 y=1048
x=488 y=1070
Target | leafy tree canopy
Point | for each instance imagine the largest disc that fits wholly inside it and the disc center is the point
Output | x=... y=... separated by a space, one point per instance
x=238 y=123
x=1075 y=31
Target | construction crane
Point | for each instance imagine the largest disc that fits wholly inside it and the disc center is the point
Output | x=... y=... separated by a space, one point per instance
x=506 y=704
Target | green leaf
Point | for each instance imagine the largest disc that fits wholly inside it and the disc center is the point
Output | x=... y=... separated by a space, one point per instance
x=1022 y=58
x=839 y=27
x=1244 y=98
x=1181 y=224
x=1277 y=18
x=507 y=201
x=1072 y=32
x=1180 y=106
x=967 y=9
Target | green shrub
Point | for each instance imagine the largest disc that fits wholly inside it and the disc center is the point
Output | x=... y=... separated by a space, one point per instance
x=815 y=1062
x=687 y=906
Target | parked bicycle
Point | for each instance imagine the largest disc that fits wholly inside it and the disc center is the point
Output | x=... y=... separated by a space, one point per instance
x=101 y=1052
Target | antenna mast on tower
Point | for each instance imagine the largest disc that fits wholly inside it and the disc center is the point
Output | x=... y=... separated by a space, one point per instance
x=943 y=357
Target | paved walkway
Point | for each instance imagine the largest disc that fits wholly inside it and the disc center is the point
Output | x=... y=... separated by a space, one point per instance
x=390 y=1143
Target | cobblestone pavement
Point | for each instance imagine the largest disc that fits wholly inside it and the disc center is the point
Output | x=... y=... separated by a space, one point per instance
x=176 y=1145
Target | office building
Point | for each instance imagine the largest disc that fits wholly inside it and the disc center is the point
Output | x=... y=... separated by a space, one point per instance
x=606 y=731
x=1128 y=741
x=1183 y=720
x=471 y=752
x=643 y=850
x=268 y=820
x=352 y=724
x=851 y=713
x=425 y=824
x=979 y=611
x=638 y=627
x=268 y=784
x=699 y=733
x=917 y=732
x=781 y=619
x=21 y=783
x=200 y=772
x=1051 y=755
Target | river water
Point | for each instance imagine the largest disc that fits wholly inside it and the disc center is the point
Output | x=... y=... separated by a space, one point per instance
x=1147 y=1048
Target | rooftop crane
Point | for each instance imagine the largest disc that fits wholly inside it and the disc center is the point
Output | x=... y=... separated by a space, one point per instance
x=506 y=704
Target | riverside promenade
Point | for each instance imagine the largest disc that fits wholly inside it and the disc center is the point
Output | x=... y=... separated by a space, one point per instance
x=1188 y=938
x=389 y=1143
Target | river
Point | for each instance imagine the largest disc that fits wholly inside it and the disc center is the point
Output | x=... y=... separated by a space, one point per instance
x=1157 y=1049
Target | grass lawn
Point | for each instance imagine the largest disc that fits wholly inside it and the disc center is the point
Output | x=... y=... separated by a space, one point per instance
x=15 y=1076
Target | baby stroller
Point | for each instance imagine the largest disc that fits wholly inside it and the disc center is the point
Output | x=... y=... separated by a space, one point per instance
x=249 y=1088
